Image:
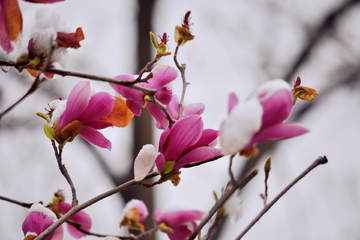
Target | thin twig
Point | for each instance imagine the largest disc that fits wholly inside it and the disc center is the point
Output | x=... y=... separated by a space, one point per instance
x=64 y=73
x=230 y=171
x=317 y=162
x=65 y=173
x=26 y=205
x=164 y=109
x=182 y=69
x=32 y=89
x=146 y=68
x=237 y=185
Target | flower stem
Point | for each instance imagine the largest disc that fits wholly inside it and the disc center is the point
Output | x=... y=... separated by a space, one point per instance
x=65 y=173
x=182 y=69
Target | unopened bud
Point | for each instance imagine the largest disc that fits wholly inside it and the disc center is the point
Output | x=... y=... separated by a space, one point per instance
x=267 y=167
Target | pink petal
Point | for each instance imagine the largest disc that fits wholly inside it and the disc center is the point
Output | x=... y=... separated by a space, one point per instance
x=98 y=124
x=84 y=219
x=197 y=155
x=94 y=137
x=4 y=40
x=58 y=233
x=128 y=93
x=184 y=133
x=144 y=161
x=233 y=100
x=162 y=75
x=44 y=1
x=161 y=120
x=134 y=107
x=194 y=108
x=76 y=104
x=181 y=232
x=207 y=137
x=160 y=161
x=178 y=218
x=80 y=217
x=164 y=95
x=173 y=107
x=163 y=140
x=276 y=108
x=100 y=105
x=277 y=132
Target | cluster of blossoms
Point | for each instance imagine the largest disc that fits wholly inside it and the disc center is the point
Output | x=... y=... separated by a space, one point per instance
x=260 y=117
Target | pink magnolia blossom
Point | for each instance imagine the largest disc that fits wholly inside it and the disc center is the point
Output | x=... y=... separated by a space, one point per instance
x=178 y=224
x=39 y=219
x=186 y=142
x=135 y=99
x=83 y=115
x=80 y=217
x=135 y=212
x=173 y=108
x=11 y=22
x=259 y=118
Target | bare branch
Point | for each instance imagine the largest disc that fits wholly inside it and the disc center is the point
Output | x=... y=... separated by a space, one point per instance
x=317 y=162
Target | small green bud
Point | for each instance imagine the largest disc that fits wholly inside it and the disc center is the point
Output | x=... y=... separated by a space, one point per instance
x=42 y=115
x=49 y=131
x=154 y=41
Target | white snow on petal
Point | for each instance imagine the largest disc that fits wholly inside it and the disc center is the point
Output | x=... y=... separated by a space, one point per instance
x=238 y=129
x=37 y=207
x=268 y=88
x=144 y=161
x=59 y=107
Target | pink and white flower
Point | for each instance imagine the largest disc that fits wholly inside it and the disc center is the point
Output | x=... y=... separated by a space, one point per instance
x=135 y=212
x=185 y=142
x=82 y=114
x=38 y=220
x=259 y=118
x=177 y=224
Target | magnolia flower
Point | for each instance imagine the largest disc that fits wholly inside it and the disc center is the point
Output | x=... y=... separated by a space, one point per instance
x=39 y=219
x=80 y=217
x=84 y=113
x=162 y=121
x=48 y=42
x=177 y=224
x=259 y=118
x=135 y=212
x=135 y=99
x=185 y=142
x=11 y=22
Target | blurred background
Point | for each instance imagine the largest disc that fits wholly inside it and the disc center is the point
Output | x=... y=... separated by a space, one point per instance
x=238 y=45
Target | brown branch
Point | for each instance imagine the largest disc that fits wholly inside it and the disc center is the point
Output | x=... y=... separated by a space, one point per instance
x=237 y=185
x=64 y=73
x=317 y=162
x=23 y=204
x=182 y=69
x=32 y=89
x=65 y=173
